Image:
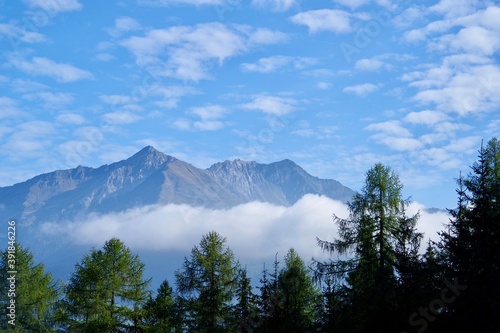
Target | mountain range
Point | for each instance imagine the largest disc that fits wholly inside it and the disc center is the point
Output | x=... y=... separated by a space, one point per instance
x=152 y=177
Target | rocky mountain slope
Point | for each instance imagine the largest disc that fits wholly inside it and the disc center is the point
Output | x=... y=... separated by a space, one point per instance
x=152 y=177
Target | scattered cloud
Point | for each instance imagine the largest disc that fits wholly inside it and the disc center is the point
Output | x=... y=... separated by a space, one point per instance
x=393 y=135
x=121 y=117
x=163 y=3
x=369 y=64
x=276 y=5
x=70 y=118
x=426 y=117
x=277 y=106
x=30 y=139
x=191 y=51
x=210 y=117
x=460 y=90
x=55 y=6
x=17 y=34
x=124 y=24
x=116 y=99
x=361 y=89
x=334 y=20
x=46 y=67
x=276 y=63
x=352 y=3
x=50 y=99
x=9 y=107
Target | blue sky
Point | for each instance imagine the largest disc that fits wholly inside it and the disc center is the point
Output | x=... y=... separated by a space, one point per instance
x=334 y=85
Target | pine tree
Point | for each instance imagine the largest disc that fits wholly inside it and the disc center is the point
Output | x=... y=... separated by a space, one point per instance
x=35 y=293
x=207 y=283
x=106 y=291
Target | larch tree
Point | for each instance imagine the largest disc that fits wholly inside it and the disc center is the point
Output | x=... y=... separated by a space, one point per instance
x=35 y=292
x=207 y=283
x=106 y=292
x=367 y=241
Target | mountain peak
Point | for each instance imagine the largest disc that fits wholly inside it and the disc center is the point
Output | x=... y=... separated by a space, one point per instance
x=150 y=157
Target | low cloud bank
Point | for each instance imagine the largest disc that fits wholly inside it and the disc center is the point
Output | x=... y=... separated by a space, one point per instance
x=254 y=231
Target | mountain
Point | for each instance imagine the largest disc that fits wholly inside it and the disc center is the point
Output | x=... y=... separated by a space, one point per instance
x=152 y=177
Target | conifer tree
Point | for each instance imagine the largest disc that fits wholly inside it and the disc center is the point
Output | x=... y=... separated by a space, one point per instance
x=300 y=297
x=162 y=314
x=106 y=292
x=368 y=239
x=471 y=245
x=34 y=292
x=207 y=283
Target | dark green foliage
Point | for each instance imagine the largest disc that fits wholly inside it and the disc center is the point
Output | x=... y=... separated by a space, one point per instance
x=36 y=294
x=246 y=310
x=106 y=292
x=162 y=314
x=207 y=283
x=471 y=245
x=383 y=245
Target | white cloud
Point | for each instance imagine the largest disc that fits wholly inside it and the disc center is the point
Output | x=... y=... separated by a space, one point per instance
x=275 y=63
x=209 y=112
x=361 y=89
x=30 y=139
x=50 y=99
x=392 y=127
x=210 y=116
x=352 y=3
x=121 y=117
x=9 y=108
x=393 y=135
x=369 y=64
x=276 y=5
x=18 y=34
x=462 y=90
x=272 y=105
x=426 y=117
x=70 y=118
x=104 y=57
x=116 y=99
x=265 y=36
x=454 y=8
x=163 y=3
x=324 y=85
x=182 y=124
x=46 y=67
x=268 y=229
x=55 y=6
x=124 y=24
x=333 y=20
x=189 y=52
x=267 y=65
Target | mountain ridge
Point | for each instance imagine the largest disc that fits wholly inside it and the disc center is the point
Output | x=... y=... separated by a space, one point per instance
x=153 y=177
